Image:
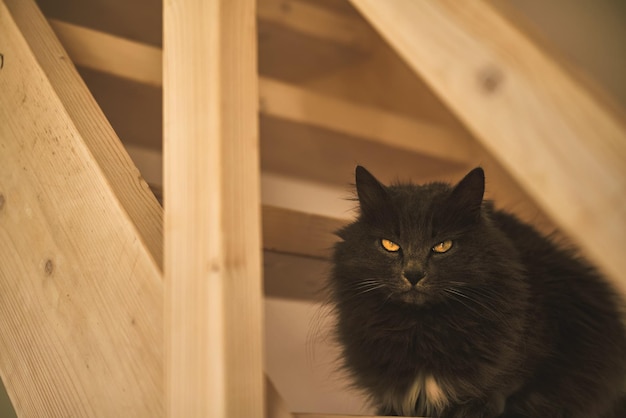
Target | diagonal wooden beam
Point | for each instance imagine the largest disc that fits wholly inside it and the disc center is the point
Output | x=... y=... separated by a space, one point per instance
x=562 y=145
x=289 y=111
x=139 y=62
x=80 y=241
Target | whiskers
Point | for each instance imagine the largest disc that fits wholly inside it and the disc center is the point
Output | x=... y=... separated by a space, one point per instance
x=481 y=301
x=367 y=285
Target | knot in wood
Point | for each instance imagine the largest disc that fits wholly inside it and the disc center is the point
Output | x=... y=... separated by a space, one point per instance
x=49 y=267
x=490 y=78
x=1 y=201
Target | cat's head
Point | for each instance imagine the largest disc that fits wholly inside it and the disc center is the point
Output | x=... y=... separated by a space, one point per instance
x=420 y=244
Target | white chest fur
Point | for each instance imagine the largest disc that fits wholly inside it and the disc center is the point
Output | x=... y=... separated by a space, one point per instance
x=426 y=394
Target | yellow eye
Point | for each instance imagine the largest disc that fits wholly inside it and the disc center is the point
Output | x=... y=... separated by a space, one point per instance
x=389 y=245
x=443 y=246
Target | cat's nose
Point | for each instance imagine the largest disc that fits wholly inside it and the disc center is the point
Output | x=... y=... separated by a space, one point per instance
x=414 y=276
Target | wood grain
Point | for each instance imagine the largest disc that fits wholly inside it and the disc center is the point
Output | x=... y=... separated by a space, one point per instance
x=111 y=54
x=212 y=210
x=310 y=19
x=80 y=242
x=139 y=20
x=297 y=233
x=369 y=123
x=548 y=131
x=106 y=53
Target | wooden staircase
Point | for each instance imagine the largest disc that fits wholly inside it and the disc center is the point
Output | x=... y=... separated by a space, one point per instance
x=110 y=305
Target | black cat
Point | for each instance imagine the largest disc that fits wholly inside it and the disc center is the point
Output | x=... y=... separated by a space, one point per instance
x=447 y=307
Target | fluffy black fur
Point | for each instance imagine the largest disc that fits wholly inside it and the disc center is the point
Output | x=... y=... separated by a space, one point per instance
x=504 y=324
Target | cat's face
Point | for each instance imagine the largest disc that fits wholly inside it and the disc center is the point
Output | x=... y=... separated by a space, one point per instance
x=417 y=245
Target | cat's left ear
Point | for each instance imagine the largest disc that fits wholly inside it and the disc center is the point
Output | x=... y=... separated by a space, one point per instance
x=467 y=195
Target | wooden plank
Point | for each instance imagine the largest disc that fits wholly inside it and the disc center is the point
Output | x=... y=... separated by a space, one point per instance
x=294 y=277
x=299 y=233
x=310 y=19
x=557 y=140
x=303 y=40
x=139 y=20
x=382 y=79
x=296 y=104
x=342 y=26
x=111 y=54
x=212 y=210
x=49 y=52
x=295 y=57
x=80 y=242
x=285 y=136
x=100 y=51
x=135 y=110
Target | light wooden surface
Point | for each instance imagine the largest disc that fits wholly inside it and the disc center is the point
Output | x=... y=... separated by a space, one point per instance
x=212 y=210
x=298 y=233
x=313 y=20
x=109 y=54
x=296 y=104
x=139 y=20
x=566 y=150
x=80 y=242
x=48 y=51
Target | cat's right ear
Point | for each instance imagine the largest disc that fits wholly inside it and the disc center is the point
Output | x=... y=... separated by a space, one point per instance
x=372 y=194
x=466 y=199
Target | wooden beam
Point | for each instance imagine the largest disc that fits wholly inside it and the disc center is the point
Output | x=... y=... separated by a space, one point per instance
x=80 y=242
x=95 y=50
x=212 y=210
x=288 y=132
x=140 y=20
x=110 y=54
x=316 y=21
x=284 y=101
x=558 y=141
x=299 y=233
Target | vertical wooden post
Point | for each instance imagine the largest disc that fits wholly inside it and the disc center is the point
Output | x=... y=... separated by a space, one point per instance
x=213 y=309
